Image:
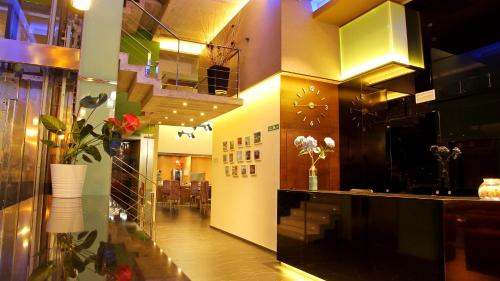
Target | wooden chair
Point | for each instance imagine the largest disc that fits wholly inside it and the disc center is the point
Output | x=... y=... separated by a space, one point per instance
x=204 y=196
x=162 y=192
x=175 y=194
x=194 y=192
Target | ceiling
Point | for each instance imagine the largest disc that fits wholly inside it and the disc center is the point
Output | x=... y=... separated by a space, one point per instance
x=340 y=12
x=199 y=20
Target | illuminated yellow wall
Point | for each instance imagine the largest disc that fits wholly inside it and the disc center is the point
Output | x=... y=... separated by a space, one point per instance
x=308 y=46
x=246 y=206
x=374 y=39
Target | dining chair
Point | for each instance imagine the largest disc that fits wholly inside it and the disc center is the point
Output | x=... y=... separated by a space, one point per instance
x=194 y=192
x=204 y=196
x=175 y=194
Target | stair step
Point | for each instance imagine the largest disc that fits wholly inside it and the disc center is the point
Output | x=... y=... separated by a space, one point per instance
x=322 y=207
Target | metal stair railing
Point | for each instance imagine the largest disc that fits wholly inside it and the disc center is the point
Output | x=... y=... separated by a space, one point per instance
x=131 y=199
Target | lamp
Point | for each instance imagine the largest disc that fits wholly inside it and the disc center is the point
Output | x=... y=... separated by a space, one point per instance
x=82 y=5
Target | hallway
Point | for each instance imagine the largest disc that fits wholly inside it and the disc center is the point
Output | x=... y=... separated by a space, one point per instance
x=205 y=254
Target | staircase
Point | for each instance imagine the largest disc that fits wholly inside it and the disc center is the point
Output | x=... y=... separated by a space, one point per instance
x=320 y=218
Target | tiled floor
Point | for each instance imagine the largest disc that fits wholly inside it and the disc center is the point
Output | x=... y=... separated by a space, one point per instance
x=205 y=254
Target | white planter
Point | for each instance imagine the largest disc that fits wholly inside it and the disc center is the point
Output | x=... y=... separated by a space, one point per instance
x=66 y=215
x=67 y=180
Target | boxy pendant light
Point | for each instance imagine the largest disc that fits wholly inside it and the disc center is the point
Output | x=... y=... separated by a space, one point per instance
x=381 y=44
x=82 y=5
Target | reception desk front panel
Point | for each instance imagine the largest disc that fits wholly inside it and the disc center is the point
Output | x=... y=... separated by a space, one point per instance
x=344 y=236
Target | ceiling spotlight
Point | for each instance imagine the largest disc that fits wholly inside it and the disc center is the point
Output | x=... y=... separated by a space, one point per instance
x=166 y=117
x=174 y=111
x=215 y=107
x=82 y=5
x=207 y=127
x=182 y=124
x=189 y=135
x=191 y=119
x=202 y=113
x=159 y=122
x=184 y=104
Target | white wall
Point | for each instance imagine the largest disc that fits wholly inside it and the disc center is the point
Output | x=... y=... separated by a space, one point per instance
x=246 y=206
x=169 y=143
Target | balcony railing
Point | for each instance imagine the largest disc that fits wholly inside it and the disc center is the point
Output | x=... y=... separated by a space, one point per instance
x=179 y=64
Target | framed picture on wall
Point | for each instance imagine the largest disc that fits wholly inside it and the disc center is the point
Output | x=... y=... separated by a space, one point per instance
x=231 y=145
x=248 y=141
x=231 y=157
x=257 y=137
x=256 y=154
x=228 y=171
x=224 y=158
x=253 y=171
x=239 y=156
x=235 y=170
x=248 y=155
x=239 y=141
x=244 y=170
x=224 y=146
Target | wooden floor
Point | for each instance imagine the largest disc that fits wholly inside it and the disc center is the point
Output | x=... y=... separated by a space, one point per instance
x=206 y=254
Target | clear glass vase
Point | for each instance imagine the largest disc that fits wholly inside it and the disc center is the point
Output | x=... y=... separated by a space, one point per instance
x=313 y=178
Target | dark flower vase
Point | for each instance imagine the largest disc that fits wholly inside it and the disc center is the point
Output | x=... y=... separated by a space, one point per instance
x=218 y=79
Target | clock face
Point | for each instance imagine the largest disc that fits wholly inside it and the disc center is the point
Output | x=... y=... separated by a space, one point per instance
x=362 y=112
x=310 y=106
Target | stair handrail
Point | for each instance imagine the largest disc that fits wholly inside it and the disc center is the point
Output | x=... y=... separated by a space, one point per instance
x=155 y=19
x=133 y=169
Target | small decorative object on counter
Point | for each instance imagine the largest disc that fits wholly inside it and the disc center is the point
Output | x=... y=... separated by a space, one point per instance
x=443 y=156
x=490 y=189
x=309 y=145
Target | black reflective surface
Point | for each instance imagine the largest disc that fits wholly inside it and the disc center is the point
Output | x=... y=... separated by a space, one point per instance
x=344 y=236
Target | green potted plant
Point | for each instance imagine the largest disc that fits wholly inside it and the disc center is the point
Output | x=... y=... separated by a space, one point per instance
x=81 y=141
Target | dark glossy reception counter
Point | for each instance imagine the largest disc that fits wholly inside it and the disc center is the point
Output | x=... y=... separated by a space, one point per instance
x=344 y=236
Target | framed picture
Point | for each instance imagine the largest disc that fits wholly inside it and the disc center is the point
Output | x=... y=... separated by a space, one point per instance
x=224 y=158
x=239 y=156
x=243 y=169
x=256 y=154
x=248 y=155
x=231 y=157
x=228 y=171
x=239 y=141
x=224 y=146
x=235 y=170
x=231 y=145
x=247 y=141
x=257 y=137
x=253 y=172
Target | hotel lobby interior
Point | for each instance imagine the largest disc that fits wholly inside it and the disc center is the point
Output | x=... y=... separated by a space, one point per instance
x=267 y=140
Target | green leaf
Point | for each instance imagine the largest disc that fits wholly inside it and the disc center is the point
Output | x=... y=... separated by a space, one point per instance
x=42 y=273
x=86 y=130
x=87 y=243
x=49 y=143
x=92 y=150
x=79 y=265
x=53 y=124
x=93 y=102
x=82 y=235
x=86 y=158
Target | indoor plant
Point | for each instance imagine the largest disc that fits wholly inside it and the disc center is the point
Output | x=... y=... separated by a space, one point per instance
x=309 y=146
x=81 y=140
x=443 y=156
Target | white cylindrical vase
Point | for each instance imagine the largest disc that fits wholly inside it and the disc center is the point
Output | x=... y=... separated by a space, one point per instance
x=67 y=180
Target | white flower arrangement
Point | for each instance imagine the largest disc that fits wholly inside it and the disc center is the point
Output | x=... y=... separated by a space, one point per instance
x=309 y=145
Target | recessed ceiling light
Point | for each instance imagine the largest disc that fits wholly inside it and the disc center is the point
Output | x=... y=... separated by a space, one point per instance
x=202 y=113
x=182 y=124
x=191 y=119
x=215 y=107
x=184 y=104
x=166 y=117
x=174 y=111
x=159 y=122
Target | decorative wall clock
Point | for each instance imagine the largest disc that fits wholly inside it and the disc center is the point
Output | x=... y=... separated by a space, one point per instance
x=359 y=109
x=311 y=107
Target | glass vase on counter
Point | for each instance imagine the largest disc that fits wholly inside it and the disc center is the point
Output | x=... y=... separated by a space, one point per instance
x=313 y=178
x=490 y=189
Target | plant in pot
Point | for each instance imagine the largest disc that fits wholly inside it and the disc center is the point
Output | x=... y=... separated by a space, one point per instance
x=82 y=141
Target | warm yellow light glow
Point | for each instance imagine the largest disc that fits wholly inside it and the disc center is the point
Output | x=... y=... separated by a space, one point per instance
x=391 y=95
x=182 y=124
x=386 y=73
x=174 y=111
x=260 y=90
x=26 y=243
x=184 y=104
x=375 y=39
x=218 y=21
x=61 y=137
x=184 y=47
x=215 y=107
x=166 y=117
x=179 y=270
x=25 y=230
x=82 y=5
x=202 y=113
x=35 y=121
x=297 y=274
x=31 y=132
x=191 y=119
x=159 y=122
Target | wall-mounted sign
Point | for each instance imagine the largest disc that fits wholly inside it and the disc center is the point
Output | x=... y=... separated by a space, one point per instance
x=273 y=127
x=425 y=96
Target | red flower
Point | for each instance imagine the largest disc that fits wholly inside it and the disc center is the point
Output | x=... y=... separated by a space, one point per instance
x=114 y=121
x=124 y=273
x=130 y=122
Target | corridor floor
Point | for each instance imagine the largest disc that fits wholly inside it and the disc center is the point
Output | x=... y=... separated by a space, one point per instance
x=206 y=254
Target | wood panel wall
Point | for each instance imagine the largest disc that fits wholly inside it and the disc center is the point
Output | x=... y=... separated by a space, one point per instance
x=294 y=168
